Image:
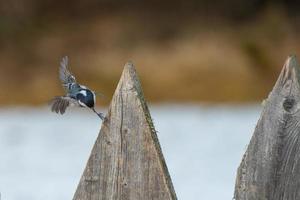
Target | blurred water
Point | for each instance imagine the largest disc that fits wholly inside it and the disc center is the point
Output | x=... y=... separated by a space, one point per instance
x=43 y=155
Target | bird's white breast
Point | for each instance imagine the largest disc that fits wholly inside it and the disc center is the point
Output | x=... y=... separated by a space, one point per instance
x=83 y=92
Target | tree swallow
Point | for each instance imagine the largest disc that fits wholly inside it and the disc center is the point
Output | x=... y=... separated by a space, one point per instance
x=76 y=94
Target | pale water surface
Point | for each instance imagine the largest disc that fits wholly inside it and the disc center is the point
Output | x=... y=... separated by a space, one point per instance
x=43 y=155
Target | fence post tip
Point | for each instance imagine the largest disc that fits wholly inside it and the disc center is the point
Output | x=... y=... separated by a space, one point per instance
x=126 y=161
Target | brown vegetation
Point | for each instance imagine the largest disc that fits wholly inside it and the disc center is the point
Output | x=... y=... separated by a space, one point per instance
x=185 y=56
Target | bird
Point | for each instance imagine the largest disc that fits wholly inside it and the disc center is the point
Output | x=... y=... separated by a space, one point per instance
x=75 y=94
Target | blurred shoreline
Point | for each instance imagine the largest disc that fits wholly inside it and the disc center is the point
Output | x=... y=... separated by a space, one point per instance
x=193 y=54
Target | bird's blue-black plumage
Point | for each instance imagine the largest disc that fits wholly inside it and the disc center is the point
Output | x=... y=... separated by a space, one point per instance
x=87 y=98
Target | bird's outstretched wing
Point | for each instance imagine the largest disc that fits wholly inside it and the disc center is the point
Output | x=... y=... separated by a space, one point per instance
x=59 y=104
x=65 y=75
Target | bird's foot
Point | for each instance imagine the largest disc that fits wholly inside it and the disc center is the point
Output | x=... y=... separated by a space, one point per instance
x=101 y=115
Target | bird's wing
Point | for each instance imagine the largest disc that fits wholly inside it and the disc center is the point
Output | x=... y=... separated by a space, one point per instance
x=65 y=75
x=59 y=104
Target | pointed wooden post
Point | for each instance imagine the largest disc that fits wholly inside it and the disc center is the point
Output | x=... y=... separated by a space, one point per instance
x=126 y=161
x=270 y=168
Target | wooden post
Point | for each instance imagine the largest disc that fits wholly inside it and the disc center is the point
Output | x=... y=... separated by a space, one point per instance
x=126 y=162
x=270 y=168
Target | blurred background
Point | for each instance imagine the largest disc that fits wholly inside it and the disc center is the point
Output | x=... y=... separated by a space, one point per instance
x=185 y=51
x=205 y=64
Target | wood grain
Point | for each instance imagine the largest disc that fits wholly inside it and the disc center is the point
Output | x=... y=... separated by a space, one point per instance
x=270 y=168
x=126 y=161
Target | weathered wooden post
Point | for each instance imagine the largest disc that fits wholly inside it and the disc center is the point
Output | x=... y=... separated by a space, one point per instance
x=270 y=168
x=126 y=162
